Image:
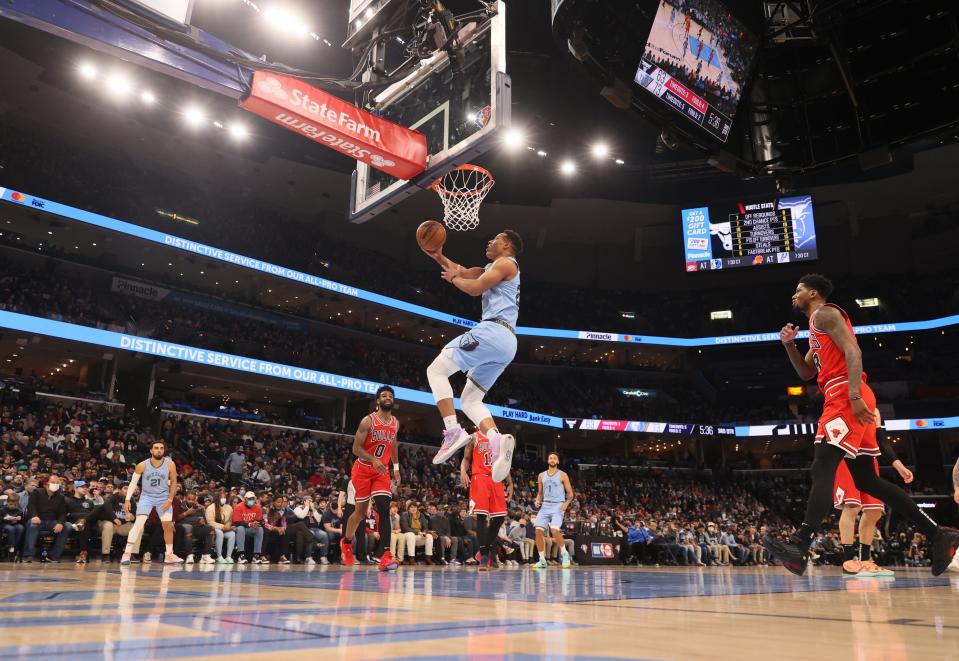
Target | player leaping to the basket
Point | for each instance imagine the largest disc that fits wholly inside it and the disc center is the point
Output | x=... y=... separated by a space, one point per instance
x=483 y=352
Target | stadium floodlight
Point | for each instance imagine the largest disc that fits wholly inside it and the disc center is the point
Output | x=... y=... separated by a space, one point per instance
x=867 y=302
x=514 y=138
x=147 y=97
x=620 y=161
x=118 y=85
x=600 y=150
x=194 y=116
x=568 y=167
x=285 y=20
x=88 y=71
x=238 y=131
x=721 y=314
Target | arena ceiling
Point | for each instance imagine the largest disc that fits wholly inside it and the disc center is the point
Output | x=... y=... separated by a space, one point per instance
x=553 y=97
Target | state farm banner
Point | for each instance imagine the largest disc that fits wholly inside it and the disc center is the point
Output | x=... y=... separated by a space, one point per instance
x=322 y=117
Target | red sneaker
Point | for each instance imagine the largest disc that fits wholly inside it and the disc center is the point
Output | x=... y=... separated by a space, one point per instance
x=346 y=553
x=388 y=562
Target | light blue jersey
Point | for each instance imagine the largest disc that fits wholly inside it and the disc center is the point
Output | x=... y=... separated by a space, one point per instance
x=486 y=350
x=156 y=481
x=553 y=489
x=554 y=495
x=501 y=301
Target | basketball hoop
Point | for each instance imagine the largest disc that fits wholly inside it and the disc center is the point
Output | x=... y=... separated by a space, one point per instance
x=462 y=191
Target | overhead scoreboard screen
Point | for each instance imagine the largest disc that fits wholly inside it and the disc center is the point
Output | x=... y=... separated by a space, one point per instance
x=772 y=231
x=697 y=60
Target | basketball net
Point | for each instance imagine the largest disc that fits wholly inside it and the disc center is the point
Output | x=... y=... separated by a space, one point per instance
x=462 y=192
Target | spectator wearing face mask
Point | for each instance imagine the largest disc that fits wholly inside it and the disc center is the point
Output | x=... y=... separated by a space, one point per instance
x=219 y=514
x=47 y=511
x=248 y=519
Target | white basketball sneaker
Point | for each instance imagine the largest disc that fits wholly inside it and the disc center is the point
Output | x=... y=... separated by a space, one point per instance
x=504 y=461
x=453 y=440
x=172 y=559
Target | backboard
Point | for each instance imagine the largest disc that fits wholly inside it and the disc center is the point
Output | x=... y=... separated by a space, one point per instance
x=461 y=113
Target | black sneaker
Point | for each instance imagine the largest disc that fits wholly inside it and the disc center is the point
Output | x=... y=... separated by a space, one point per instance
x=794 y=557
x=29 y=561
x=944 y=546
x=45 y=559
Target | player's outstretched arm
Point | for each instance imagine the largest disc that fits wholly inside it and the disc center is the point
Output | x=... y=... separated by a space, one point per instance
x=502 y=269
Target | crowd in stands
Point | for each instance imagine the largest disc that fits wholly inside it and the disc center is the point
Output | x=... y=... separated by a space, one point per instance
x=43 y=166
x=592 y=393
x=264 y=494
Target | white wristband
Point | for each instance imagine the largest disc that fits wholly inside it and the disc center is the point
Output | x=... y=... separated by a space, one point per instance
x=396 y=467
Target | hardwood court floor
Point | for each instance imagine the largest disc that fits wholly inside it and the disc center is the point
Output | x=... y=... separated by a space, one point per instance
x=272 y=612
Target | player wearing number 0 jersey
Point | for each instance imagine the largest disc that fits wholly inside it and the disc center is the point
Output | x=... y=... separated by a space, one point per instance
x=846 y=430
x=374 y=445
x=483 y=352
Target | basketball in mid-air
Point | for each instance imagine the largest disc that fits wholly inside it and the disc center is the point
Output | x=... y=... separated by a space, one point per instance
x=431 y=235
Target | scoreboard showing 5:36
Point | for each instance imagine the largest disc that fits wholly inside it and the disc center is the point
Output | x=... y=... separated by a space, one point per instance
x=771 y=231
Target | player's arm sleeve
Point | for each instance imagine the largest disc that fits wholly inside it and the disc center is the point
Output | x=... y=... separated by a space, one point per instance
x=133 y=485
x=885 y=447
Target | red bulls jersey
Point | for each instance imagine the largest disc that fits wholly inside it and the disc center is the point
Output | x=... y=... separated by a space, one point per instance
x=380 y=439
x=482 y=461
x=829 y=358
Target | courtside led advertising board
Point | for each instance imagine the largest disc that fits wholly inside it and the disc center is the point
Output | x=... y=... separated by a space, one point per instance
x=697 y=61
x=776 y=230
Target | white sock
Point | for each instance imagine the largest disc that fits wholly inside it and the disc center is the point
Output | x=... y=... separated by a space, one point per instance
x=494 y=440
x=450 y=422
x=169 y=549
